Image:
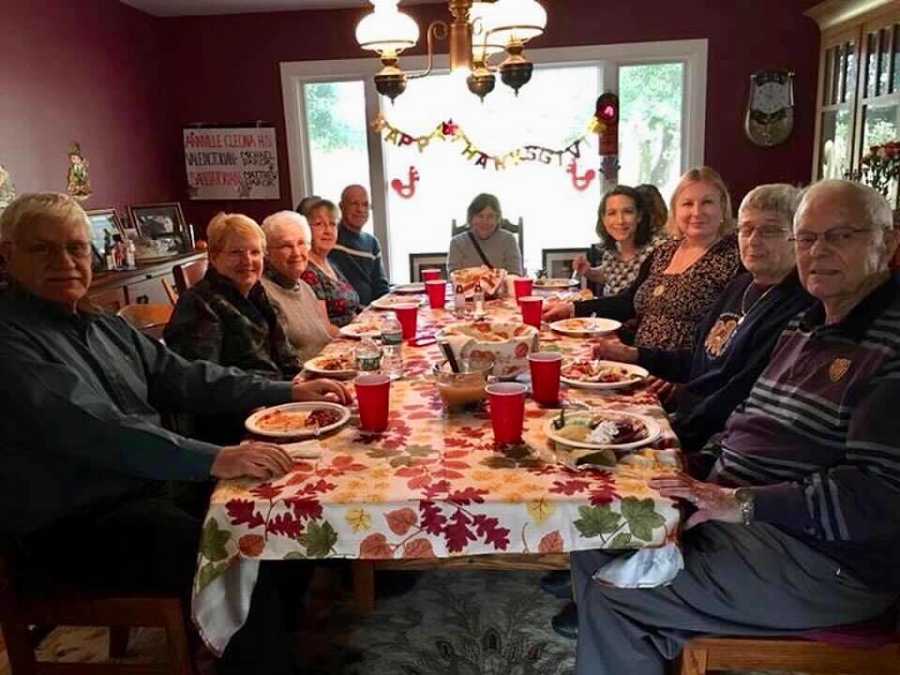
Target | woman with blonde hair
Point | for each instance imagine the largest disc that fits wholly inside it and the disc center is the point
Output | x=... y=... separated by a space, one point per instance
x=682 y=277
x=227 y=317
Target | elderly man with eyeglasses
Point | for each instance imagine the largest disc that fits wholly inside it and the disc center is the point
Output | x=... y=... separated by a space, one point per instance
x=797 y=526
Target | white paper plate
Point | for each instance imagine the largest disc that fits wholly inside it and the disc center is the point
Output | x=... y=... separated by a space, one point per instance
x=252 y=422
x=640 y=374
x=312 y=366
x=585 y=326
x=409 y=288
x=348 y=331
x=653 y=430
x=389 y=301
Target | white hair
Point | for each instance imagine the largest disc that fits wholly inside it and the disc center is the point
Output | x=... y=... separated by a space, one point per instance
x=273 y=222
x=875 y=207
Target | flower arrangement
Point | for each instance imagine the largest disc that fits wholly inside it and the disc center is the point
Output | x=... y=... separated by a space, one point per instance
x=879 y=167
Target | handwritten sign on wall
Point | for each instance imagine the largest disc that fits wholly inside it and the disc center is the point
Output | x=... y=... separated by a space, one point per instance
x=231 y=163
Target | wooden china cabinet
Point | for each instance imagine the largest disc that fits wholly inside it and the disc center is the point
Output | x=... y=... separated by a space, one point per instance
x=114 y=290
x=858 y=102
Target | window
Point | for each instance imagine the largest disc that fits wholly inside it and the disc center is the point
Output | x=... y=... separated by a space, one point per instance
x=328 y=106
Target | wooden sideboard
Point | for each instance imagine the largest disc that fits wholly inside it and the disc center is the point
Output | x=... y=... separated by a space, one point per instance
x=114 y=290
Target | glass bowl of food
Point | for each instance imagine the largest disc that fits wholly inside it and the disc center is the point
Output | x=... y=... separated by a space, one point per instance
x=463 y=391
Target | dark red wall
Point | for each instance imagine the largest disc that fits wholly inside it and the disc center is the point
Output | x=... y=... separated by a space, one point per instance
x=226 y=69
x=87 y=71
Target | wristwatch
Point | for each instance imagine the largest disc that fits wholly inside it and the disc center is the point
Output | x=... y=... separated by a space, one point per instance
x=744 y=497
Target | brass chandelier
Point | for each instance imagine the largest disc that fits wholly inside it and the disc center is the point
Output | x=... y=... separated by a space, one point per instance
x=478 y=31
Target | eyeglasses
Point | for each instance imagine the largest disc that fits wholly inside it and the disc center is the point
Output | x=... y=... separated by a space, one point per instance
x=766 y=232
x=74 y=249
x=836 y=236
x=321 y=226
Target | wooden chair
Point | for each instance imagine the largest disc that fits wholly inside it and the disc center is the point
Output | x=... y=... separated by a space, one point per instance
x=853 y=650
x=171 y=293
x=147 y=318
x=189 y=274
x=72 y=608
x=516 y=228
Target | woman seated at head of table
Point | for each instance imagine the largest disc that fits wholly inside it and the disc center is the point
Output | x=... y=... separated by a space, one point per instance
x=303 y=315
x=626 y=240
x=485 y=243
x=323 y=276
x=682 y=277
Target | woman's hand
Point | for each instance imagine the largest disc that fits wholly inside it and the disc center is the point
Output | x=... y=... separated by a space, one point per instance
x=558 y=310
x=663 y=389
x=251 y=459
x=613 y=349
x=713 y=502
x=321 y=390
x=581 y=265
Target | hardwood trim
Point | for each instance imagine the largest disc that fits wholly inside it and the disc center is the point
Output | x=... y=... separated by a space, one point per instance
x=832 y=13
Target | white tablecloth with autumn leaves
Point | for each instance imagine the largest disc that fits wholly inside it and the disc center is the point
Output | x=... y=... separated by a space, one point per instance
x=431 y=487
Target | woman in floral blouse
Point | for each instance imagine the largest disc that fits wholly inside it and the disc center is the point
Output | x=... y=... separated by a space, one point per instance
x=324 y=277
x=626 y=239
x=682 y=277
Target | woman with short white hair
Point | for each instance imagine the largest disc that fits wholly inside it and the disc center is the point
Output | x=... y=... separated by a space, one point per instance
x=303 y=315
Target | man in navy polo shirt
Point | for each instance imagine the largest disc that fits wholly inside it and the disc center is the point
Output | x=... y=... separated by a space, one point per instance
x=358 y=253
x=798 y=524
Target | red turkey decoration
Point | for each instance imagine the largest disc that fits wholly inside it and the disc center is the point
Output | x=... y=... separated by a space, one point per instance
x=607 y=112
x=583 y=182
x=406 y=191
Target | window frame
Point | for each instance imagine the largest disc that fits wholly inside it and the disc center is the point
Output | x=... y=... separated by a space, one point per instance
x=608 y=58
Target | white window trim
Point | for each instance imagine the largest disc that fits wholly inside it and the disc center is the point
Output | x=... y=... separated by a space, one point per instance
x=294 y=74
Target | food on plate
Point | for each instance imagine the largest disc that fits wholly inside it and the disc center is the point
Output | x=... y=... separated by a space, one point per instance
x=570 y=296
x=362 y=328
x=603 y=429
x=335 y=363
x=552 y=283
x=575 y=325
x=585 y=370
x=298 y=420
x=393 y=300
x=488 y=332
x=490 y=280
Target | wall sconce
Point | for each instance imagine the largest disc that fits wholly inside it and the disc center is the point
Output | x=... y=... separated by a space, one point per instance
x=478 y=31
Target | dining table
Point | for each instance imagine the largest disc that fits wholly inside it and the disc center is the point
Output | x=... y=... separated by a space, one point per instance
x=434 y=487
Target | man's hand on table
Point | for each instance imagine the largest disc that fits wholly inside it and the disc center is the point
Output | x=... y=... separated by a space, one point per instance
x=321 y=390
x=613 y=349
x=713 y=502
x=558 y=310
x=251 y=459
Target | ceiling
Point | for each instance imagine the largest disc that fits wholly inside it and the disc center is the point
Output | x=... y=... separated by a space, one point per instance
x=206 y=7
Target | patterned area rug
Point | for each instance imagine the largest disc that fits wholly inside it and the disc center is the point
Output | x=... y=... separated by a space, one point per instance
x=448 y=623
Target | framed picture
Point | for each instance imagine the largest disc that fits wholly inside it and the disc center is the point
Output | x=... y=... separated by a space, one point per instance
x=557 y=262
x=425 y=261
x=105 y=224
x=163 y=222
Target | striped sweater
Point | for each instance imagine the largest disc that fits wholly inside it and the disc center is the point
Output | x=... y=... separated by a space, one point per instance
x=818 y=438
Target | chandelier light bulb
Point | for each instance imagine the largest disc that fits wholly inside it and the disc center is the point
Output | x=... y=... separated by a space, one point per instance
x=517 y=21
x=386 y=30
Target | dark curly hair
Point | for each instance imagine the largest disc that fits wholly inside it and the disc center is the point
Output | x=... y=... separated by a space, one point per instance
x=644 y=231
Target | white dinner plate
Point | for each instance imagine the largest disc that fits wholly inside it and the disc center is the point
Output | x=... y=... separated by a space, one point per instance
x=638 y=372
x=357 y=331
x=389 y=301
x=409 y=288
x=653 y=430
x=585 y=326
x=252 y=423
x=314 y=366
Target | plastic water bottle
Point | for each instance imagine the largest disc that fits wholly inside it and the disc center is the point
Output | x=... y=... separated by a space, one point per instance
x=459 y=302
x=392 y=348
x=479 y=301
x=368 y=356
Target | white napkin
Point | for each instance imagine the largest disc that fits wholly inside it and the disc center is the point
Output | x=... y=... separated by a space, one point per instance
x=303 y=449
x=645 y=568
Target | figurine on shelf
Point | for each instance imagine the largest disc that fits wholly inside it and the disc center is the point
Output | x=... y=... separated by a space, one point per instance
x=120 y=249
x=109 y=252
x=78 y=182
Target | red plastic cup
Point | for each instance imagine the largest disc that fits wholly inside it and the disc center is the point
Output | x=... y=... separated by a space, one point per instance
x=531 y=309
x=430 y=275
x=407 y=315
x=523 y=287
x=437 y=293
x=507 y=405
x=373 y=392
x=545 y=368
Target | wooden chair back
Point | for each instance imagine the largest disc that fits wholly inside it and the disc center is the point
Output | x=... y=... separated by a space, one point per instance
x=18 y=614
x=516 y=228
x=150 y=318
x=188 y=274
x=171 y=293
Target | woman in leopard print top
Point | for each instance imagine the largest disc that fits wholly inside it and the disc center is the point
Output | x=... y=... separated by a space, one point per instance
x=681 y=278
